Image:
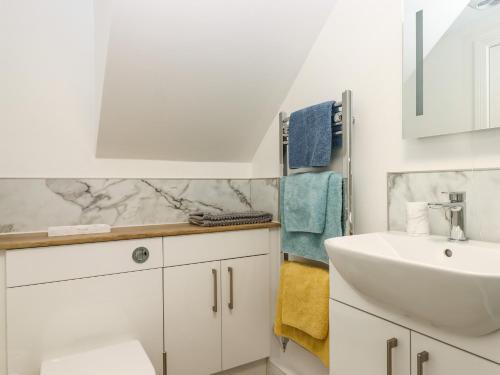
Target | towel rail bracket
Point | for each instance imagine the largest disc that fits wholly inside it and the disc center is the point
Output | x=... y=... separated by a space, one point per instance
x=284 y=343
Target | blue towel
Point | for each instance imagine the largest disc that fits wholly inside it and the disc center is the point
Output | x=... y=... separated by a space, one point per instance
x=305 y=202
x=310 y=136
x=311 y=245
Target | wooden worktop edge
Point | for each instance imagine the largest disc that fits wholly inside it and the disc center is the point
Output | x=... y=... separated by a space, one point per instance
x=41 y=239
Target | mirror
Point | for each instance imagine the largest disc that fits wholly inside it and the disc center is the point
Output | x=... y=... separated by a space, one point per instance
x=451 y=66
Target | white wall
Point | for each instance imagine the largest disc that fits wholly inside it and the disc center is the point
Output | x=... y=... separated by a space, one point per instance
x=49 y=90
x=361 y=48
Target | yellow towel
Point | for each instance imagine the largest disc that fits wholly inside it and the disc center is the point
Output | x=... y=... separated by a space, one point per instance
x=302 y=308
x=305 y=298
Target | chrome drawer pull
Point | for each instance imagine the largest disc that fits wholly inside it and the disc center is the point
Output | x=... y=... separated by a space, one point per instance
x=214 y=307
x=422 y=357
x=231 y=300
x=391 y=344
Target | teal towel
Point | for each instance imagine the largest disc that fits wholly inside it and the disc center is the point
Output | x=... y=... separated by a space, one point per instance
x=305 y=202
x=311 y=245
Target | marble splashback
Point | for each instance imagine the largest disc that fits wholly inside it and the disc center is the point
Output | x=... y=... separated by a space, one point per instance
x=35 y=204
x=482 y=188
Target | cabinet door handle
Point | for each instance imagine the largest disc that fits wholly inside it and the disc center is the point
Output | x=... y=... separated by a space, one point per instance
x=422 y=357
x=214 y=274
x=391 y=344
x=231 y=291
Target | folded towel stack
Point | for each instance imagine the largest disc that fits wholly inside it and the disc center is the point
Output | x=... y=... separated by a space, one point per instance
x=302 y=308
x=207 y=219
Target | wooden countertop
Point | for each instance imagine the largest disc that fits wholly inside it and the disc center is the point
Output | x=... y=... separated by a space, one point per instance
x=31 y=240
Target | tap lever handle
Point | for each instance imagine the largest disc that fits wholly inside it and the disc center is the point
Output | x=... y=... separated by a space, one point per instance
x=455 y=196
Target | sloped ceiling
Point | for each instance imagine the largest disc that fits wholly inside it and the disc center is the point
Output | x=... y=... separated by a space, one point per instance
x=199 y=80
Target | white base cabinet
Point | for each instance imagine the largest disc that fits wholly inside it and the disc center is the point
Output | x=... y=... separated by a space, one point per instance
x=51 y=320
x=444 y=359
x=361 y=345
x=203 y=299
x=217 y=315
x=364 y=344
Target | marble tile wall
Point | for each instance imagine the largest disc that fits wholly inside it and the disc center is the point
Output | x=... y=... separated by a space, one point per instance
x=482 y=188
x=35 y=204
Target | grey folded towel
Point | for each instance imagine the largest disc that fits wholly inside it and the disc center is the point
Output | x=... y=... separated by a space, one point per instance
x=207 y=219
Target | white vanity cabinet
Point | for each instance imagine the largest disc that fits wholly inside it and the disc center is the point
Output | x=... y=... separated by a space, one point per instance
x=364 y=344
x=360 y=345
x=68 y=299
x=217 y=301
x=444 y=359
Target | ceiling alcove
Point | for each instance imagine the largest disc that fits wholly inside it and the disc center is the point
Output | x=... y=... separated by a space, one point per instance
x=198 y=80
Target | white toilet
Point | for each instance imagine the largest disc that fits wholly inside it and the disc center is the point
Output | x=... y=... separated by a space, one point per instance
x=128 y=358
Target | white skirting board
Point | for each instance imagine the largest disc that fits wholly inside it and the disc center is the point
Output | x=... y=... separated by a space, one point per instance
x=3 y=326
x=254 y=368
x=273 y=369
x=296 y=361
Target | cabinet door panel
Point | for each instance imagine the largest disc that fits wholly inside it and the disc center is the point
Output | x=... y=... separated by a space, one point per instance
x=445 y=359
x=359 y=343
x=246 y=327
x=192 y=328
x=48 y=321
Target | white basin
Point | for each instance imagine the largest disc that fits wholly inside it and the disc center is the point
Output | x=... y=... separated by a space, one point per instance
x=458 y=292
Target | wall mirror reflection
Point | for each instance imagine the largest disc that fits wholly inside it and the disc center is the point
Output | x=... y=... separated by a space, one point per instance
x=451 y=66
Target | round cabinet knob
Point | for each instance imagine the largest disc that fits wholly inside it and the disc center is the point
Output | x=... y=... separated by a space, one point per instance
x=140 y=255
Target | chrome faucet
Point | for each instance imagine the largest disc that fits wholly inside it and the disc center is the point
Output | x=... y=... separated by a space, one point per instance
x=456 y=205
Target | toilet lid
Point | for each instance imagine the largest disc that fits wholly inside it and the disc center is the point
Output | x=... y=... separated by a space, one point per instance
x=128 y=358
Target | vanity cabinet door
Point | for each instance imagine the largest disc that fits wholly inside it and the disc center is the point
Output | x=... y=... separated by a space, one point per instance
x=437 y=358
x=361 y=344
x=193 y=319
x=246 y=310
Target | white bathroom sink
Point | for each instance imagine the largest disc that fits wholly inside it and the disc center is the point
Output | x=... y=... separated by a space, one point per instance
x=453 y=286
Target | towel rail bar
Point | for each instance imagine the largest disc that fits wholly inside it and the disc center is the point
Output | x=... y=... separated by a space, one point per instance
x=347 y=125
x=346 y=132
